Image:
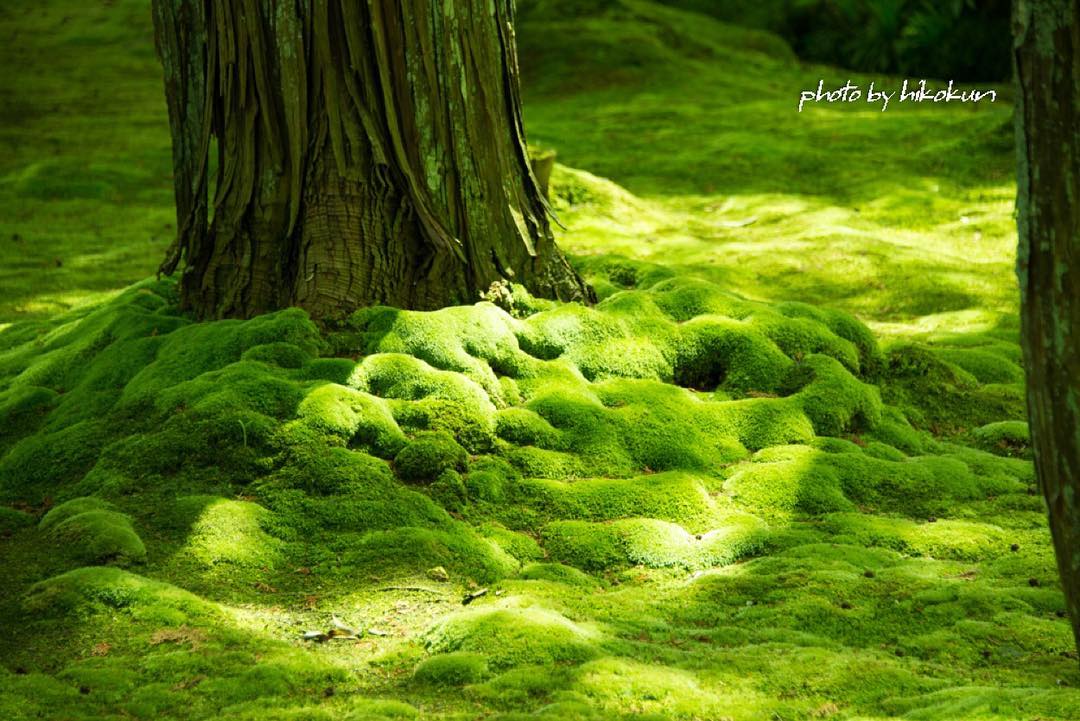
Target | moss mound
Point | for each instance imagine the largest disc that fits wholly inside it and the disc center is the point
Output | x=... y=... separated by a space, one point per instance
x=1004 y=438
x=98 y=537
x=428 y=456
x=512 y=636
x=459 y=668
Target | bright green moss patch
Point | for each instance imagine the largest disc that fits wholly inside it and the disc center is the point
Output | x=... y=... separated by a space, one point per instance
x=459 y=668
x=522 y=547
x=572 y=470
x=721 y=353
x=358 y=419
x=672 y=693
x=74 y=507
x=87 y=591
x=652 y=543
x=668 y=496
x=424 y=458
x=1004 y=438
x=512 y=636
x=557 y=573
x=819 y=481
x=942 y=539
x=835 y=401
x=229 y=537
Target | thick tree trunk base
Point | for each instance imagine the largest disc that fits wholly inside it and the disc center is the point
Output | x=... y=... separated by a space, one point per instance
x=368 y=153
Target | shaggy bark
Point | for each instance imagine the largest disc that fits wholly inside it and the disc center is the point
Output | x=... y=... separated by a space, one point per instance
x=1047 y=50
x=366 y=152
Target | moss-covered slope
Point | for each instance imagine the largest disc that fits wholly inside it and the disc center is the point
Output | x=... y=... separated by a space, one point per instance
x=654 y=493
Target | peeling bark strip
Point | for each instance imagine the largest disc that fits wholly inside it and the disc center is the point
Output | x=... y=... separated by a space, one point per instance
x=367 y=151
x=1047 y=50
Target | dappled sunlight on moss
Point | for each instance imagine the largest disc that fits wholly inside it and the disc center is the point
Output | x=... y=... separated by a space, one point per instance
x=605 y=468
x=780 y=470
x=740 y=476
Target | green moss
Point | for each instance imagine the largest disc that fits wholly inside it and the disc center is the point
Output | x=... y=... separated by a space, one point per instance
x=193 y=350
x=666 y=692
x=984 y=366
x=489 y=478
x=259 y=473
x=524 y=427
x=812 y=481
x=23 y=410
x=327 y=469
x=477 y=341
x=589 y=546
x=358 y=419
x=449 y=491
x=944 y=539
x=228 y=537
x=74 y=507
x=762 y=422
x=282 y=355
x=427 y=456
x=12 y=521
x=520 y=546
x=795 y=483
x=943 y=398
x=895 y=431
x=652 y=543
x=675 y=497
x=404 y=552
x=557 y=573
x=1004 y=438
x=511 y=636
x=41 y=464
x=459 y=668
x=716 y=352
x=835 y=401
x=84 y=592
x=95 y=535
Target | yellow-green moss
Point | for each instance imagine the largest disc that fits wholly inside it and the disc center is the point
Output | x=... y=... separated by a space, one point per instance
x=511 y=636
x=458 y=668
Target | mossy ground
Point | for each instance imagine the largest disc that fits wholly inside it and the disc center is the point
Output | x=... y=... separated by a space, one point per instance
x=717 y=494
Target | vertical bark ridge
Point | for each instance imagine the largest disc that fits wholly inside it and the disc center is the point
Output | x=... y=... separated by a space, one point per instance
x=1047 y=55
x=370 y=151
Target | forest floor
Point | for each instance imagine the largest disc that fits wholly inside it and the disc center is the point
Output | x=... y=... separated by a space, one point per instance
x=779 y=472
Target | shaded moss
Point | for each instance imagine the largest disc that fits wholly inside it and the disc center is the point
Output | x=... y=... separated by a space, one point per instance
x=98 y=536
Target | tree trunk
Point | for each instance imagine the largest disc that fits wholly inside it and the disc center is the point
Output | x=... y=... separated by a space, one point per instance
x=367 y=152
x=1047 y=34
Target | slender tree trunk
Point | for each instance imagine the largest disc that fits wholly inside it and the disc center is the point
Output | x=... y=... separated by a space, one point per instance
x=1047 y=34
x=368 y=151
